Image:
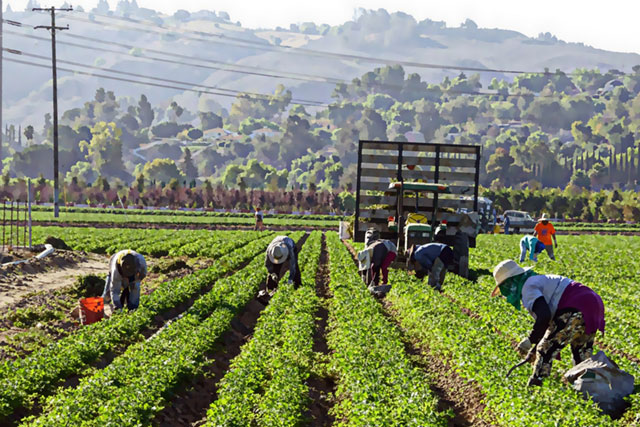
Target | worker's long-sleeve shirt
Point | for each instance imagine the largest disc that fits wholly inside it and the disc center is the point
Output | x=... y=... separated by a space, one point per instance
x=291 y=246
x=426 y=255
x=531 y=244
x=115 y=281
x=545 y=295
x=380 y=250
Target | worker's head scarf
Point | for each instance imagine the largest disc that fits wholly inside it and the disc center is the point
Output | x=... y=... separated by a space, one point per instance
x=511 y=288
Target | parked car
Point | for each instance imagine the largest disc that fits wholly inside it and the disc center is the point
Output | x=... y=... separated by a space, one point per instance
x=519 y=221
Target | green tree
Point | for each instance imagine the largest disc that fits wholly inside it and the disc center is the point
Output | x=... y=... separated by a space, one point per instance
x=28 y=133
x=371 y=126
x=104 y=150
x=188 y=168
x=580 y=179
x=162 y=170
x=145 y=112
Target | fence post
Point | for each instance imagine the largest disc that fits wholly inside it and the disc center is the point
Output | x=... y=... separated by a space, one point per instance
x=29 y=203
x=11 y=225
x=18 y=223
x=4 y=215
x=24 y=229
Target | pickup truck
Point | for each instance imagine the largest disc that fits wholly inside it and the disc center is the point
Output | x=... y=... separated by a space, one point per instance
x=519 y=221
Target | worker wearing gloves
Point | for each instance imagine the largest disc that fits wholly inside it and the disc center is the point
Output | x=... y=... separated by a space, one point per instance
x=127 y=268
x=565 y=312
x=544 y=231
x=432 y=258
x=282 y=255
x=374 y=262
x=533 y=246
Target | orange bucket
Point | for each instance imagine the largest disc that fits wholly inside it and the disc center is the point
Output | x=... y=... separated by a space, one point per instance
x=91 y=310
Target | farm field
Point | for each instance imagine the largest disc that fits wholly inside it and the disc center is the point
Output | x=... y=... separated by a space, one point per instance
x=203 y=349
x=157 y=218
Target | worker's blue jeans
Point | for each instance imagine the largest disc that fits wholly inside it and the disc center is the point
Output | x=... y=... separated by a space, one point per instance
x=506 y=229
x=131 y=294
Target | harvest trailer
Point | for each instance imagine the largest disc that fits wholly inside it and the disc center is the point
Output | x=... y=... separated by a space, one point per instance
x=404 y=186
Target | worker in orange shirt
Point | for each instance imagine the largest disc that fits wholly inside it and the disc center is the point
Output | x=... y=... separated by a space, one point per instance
x=544 y=231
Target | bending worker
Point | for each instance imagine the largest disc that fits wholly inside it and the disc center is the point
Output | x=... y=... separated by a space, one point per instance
x=374 y=262
x=565 y=312
x=282 y=255
x=126 y=270
x=432 y=258
x=544 y=231
x=533 y=246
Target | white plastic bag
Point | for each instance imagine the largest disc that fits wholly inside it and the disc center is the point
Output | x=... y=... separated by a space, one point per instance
x=600 y=378
x=343 y=230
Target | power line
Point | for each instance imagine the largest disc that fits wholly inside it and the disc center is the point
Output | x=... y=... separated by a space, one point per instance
x=259 y=70
x=182 y=63
x=297 y=50
x=311 y=103
x=121 y=79
x=153 y=58
x=235 y=92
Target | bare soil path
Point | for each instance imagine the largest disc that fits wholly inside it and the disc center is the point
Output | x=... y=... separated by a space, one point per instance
x=60 y=269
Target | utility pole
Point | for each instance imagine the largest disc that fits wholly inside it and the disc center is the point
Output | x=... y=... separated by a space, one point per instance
x=53 y=28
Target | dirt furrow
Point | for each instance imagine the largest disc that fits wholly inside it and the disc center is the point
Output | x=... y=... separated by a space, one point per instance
x=463 y=397
x=321 y=385
x=189 y=406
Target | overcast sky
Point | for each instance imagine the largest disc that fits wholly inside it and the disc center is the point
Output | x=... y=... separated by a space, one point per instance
x=611 y=25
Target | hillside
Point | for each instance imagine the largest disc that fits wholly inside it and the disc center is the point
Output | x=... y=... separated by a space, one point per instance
x=375 y=33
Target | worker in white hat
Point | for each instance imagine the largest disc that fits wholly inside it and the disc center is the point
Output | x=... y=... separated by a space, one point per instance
x=282 y=255
x=565 y=312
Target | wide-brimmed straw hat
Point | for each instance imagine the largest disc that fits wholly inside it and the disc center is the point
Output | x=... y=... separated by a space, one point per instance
x=544 y=217
x=278 y=253
x=505 y=270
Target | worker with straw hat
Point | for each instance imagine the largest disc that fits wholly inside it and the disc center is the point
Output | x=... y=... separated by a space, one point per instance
x=127 y=268
x=565 y=312
x=282 y=255
x=544 y=231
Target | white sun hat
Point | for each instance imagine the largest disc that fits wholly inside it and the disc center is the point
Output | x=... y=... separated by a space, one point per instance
x=278 y=253
x=544 y=217
x=503 y=271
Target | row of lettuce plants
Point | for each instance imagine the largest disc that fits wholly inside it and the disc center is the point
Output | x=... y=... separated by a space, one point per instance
x=40 y=372
x=377 y=384
x=136 y=385
x=266 y=383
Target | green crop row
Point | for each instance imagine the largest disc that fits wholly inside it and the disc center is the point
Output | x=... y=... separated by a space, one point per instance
x=604 y=263
x=377 y=383
x=200 y=243
x=162 y=218
x=266 y=383
x=480 y=350
x=169 y=212
x=41 y=371
x=133 y=388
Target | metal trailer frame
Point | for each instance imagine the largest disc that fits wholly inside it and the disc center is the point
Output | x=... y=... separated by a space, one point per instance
x=442 y=165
